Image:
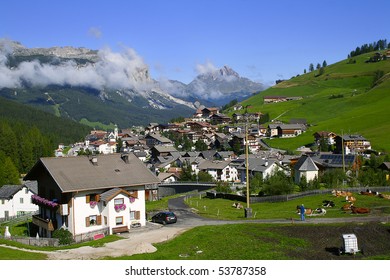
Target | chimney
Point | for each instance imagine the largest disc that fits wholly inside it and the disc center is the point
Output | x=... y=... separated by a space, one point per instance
x=125 y=157
x=94 y=160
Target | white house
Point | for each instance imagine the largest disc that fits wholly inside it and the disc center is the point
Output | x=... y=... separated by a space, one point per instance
x=219 y=170
x=305 y=167
x=264 y=166
x=15 y=200
x=166 y=177
x=102 y=194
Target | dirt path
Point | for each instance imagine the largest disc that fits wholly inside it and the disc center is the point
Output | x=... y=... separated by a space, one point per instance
x=134 y=243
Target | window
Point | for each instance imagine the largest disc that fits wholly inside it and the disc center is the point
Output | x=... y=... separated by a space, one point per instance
x=26 y=190
x=132 y=215
x=119 y=201
x=135 y=215
x=119 y=221
x=2 y=201
x=93 y=220
x=92 y=197
x=21 y=200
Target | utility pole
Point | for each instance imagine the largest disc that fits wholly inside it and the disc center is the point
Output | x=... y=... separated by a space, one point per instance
x=248 y=210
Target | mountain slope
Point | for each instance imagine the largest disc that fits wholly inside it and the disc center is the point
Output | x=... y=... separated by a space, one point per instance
x=222 y=85
x=342 y=100
x=107 y=87
x=100 y=86
x=61 y=130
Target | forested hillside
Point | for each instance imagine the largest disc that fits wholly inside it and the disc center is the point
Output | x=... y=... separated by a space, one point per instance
x=26 y=134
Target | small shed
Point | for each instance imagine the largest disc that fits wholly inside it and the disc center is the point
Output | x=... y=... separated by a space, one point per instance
x=350 y=244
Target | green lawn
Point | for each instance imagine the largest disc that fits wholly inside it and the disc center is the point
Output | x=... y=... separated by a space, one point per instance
x=222 y=208
x=225 y=242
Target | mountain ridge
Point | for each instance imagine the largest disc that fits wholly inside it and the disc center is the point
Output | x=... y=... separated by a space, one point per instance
x=119 y=77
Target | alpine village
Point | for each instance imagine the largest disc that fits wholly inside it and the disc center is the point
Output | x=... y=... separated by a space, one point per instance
x=319 y=139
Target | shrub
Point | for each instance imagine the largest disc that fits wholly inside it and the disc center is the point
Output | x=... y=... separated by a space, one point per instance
x=64 y=236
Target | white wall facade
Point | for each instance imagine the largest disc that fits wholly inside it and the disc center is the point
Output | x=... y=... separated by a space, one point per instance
x=310 y=176
x=81 y=211
x=18 y=205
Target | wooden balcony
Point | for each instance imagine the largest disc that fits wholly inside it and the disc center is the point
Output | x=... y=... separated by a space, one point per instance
x=43 y=223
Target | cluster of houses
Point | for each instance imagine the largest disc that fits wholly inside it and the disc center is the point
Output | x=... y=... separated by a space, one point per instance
x=104 y=192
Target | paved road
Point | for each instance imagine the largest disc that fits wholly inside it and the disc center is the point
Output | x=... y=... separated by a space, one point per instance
x=187 y=217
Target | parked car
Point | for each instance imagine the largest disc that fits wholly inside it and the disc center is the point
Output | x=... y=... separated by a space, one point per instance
x=164 y=218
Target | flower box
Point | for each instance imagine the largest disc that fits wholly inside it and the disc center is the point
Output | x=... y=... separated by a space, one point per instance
x=36 y=199
x=92 y=204
x=120 y=207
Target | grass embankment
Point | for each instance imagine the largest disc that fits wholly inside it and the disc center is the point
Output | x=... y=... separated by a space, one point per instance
x=342 y=100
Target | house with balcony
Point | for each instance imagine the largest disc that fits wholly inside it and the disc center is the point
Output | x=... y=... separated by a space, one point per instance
x=103 y=194
x=265 y=167
x=219 y=170
x=352 y=144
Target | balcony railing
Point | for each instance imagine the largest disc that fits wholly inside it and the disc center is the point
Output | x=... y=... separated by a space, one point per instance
x=43 y=223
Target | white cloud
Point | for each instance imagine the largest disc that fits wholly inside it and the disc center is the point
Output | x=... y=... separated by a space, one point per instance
x=118 y=70
x=95 y=32
x=206 y=68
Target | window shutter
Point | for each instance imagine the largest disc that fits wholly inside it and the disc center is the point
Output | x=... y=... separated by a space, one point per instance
x=135 y=194
x=99 y=220
x=87 y=198
x=137 y=215
x=87 y=221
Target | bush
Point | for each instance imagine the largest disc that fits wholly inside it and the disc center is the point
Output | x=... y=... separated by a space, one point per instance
x=64 y=236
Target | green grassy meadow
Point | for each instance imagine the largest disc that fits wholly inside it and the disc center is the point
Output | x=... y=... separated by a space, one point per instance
x=246 y=240
x=341 y=100
x=222 y=209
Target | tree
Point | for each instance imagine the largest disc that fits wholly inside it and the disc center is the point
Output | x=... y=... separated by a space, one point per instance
x=9 y=174
x=255 y=183
x=186 y=173
x=8 y=142
x=311 y=67
x=333 y=178
x=324 y=64
x=204 y=177
x=277 y=184
x=200 y=145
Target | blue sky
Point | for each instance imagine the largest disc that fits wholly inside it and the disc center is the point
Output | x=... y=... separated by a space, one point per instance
x=261 y=40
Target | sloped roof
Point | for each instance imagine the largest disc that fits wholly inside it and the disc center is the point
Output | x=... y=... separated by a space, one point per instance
x=8 y=191
x=256 y=164
x=164 y=175
x=334 y=160
x=159 y=137
x=110 y=194
x=305 y=163
x=165 y=149
x=215 y=164
x=78 y=173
